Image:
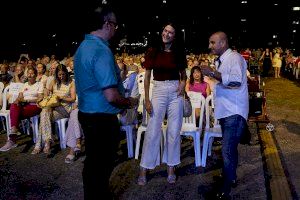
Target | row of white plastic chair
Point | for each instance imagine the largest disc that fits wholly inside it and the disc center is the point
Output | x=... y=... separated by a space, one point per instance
x=189 y=128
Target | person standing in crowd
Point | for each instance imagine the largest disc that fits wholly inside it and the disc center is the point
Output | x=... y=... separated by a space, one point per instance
x=168 y=62
x=231 y=105
x=100 y=98
x=277 y=63
x=266 y=57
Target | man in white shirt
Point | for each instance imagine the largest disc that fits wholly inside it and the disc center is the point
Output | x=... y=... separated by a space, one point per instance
x=231 y=104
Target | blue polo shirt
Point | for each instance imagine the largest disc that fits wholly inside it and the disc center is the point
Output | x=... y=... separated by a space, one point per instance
x=95 y=70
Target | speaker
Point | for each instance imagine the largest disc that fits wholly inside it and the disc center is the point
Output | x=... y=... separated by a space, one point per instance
x=255 y=103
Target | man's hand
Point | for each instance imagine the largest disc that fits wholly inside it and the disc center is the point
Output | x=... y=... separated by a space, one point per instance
x=206 y=70
x=133 y=102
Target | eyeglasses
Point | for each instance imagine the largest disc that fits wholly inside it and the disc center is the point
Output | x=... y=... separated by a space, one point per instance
x=113 y=23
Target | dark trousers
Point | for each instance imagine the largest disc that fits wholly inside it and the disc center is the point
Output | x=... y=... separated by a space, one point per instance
x=101 y=142
x=232 y=128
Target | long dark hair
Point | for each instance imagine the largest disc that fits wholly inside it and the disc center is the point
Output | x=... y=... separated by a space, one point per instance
x=156 y=45
x=192 y=72
x=63 y=68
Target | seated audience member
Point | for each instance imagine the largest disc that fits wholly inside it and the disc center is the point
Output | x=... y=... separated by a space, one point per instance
x=25 y=106
x=196 y=84
x=64 y=88
x=5 y=77
x=74 y=135
x=41 y=77
x=129 y=116
x=51 y=74
x=19 y=76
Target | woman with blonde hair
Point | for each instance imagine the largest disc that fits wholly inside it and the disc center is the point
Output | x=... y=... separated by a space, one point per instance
x=277 y=63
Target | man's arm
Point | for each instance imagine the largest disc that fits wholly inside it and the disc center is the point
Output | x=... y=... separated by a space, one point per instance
x=114 y=97
x=208 y=71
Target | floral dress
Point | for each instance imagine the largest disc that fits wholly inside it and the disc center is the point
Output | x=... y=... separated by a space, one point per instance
x=49 y=115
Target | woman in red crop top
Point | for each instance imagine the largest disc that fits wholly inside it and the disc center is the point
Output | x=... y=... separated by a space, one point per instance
x=168 y=63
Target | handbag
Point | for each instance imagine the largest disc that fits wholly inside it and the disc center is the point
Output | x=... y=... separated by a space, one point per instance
x=187 y=106
x=49 y=101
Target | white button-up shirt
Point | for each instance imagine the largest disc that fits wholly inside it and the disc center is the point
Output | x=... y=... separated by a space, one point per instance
x=231 y=100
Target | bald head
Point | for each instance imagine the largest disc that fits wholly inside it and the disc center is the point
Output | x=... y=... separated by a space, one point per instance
x=218 y=43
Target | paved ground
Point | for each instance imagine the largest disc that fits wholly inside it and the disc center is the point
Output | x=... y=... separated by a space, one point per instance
x=26 y=176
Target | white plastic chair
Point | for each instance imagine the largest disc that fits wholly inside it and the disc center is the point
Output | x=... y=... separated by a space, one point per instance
x=13 y=89
x=142 y=129
x=209 y=132
x=1 y=96
x=129 y=138
x=34 y=121
x=189 y=127
x=4 y=112
x=61 y=123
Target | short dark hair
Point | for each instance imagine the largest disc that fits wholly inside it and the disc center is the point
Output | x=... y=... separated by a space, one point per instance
x=99 y=16
x=33 y=69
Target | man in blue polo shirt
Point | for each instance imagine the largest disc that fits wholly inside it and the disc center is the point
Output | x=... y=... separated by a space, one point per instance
x=100 y=98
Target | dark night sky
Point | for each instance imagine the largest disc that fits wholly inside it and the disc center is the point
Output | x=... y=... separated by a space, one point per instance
x=34 y=22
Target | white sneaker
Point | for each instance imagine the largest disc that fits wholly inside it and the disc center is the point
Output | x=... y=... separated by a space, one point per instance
x=8 y=146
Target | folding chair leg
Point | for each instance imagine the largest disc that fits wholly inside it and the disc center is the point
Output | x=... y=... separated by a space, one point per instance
x=197 y=150
x=137 y=146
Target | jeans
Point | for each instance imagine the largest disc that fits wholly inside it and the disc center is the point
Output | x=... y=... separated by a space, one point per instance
x=233 y=127
x=101 y=142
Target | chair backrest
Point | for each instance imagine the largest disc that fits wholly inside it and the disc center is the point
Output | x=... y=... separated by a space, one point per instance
x=140 y=80
x=13 y=90
x=4 y=99
x=1 y=87
x=197 y=101
x=209 y=112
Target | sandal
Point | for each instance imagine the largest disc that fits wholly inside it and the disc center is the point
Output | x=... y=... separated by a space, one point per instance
x=77 y=148
x=171 y=177
x=46 y=149
x=36 y=150
x=142 y=180
x=70 y=158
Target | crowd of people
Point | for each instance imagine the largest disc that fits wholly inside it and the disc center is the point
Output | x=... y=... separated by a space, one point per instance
x=98 y=91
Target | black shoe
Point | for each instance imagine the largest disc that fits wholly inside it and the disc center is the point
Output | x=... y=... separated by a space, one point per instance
x=220 y=179
x=223 y=196
x=233 y=183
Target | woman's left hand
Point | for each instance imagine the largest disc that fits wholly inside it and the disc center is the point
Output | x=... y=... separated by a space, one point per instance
x=181 y=88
